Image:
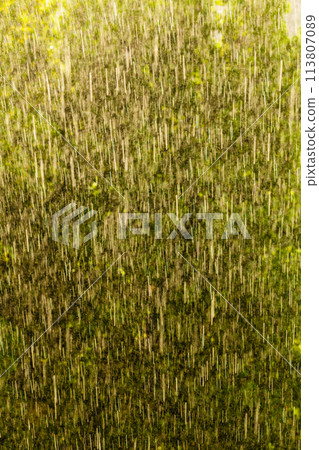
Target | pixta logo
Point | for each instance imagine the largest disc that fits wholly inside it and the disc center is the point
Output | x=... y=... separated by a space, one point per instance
x=234 y=226
x=75 y=226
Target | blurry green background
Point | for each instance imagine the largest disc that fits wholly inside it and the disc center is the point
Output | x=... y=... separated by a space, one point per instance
x=151 y=93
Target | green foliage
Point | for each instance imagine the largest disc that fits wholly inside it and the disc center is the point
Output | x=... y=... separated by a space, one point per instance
x=151 y=93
